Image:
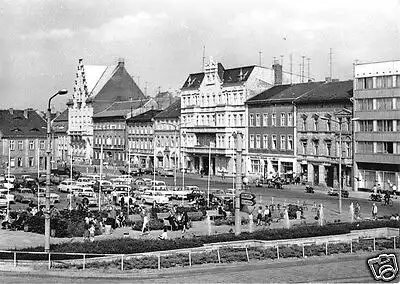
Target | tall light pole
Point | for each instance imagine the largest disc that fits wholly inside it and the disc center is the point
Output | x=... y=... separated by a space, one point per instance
x=339 y=122
x=183 y=161
x=238 y=137
x=48 y=172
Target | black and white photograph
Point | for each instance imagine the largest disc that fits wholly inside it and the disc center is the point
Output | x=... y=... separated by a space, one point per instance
x=183 y=141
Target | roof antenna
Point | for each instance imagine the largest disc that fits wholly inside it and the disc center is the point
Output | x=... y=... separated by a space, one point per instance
x=259 y=58
x=204 y=56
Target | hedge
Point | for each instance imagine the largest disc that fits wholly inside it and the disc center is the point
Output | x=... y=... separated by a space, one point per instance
x=129 y=246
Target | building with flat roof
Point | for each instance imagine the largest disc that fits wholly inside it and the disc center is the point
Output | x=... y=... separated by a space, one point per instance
x=377 y=124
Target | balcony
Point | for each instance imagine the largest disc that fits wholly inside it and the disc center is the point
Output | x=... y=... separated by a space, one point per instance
x=206 y=150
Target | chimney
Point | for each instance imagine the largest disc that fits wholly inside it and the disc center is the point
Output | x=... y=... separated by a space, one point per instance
x=11 y=111
x=26 y=112
x=277 y=73
x=121 y=62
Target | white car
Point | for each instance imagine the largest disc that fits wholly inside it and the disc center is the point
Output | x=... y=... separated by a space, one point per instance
x=84 y=192
x=154 y=198
x=122 y=187
x=8 y=185
x=66 y=185
x=3 y=200
x=10 y=178
x=180 y=193
x=9 y=197
x=85 y=181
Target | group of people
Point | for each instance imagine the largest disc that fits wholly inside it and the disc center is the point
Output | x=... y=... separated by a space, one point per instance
x=264 y=217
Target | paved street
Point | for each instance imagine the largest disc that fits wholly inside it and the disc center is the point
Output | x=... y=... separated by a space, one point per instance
x=342 y=269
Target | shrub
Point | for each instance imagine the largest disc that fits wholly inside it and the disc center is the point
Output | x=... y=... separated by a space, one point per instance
x=290 y=251
x=154 y=224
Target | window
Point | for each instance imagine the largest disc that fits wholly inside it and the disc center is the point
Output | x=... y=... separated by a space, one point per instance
x=328 y=148
x=255 y=166
x=316 y=124
x=30 y=162
x=304 y=145
x=315 y=142
x=41 y=145
x=31 y=145
x=365 y=104
x=258 y=120
x=274 y=142
x=348 y=151
x=251 y=141
x=20 y=145
x=384 y=125
x=273 y=119
x=12 y=162
x=290 y=119
x=384 y=104
x=398 y=81
x=304 y=124
x=12 y=145
x=384 y=147
x=366 y=126
x=283 y=142
x=384 y=82
x=265 y=141
x=364 y=83
x=265 y=119
x=251 y=119
x=241 y=120
x=283 y=119
x=290 y=142
x=19 y=162
x=328 y=126
x=258 y=141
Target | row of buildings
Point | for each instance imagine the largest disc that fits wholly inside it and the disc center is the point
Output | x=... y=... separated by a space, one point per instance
x=290 y=125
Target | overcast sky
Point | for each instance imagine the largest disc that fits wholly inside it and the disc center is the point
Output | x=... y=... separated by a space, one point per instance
x=162 y=41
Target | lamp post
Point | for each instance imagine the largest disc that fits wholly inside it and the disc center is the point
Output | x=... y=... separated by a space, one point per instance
x=238 y=137
x=48 y=172
x=339 y=122
x=183 y=160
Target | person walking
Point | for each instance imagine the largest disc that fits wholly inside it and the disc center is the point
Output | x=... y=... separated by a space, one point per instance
x=145 y=223
x=185 y=222
x=374 y=211
x=92 y=229
x=259 y=216
x=114 y=197
x=267 y=214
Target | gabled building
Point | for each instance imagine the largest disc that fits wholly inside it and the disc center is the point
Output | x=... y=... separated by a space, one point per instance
x=96 y=88
x=165 y=99
x=22 y=141
x=61 y=139
x=318 y=134
x=167 y=135
x=213 y=109
x=140 y=132
x=109 y=129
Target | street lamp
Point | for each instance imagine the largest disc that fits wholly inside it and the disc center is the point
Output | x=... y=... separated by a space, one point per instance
x=48 y=172
x=238 y=137
x=339 y=122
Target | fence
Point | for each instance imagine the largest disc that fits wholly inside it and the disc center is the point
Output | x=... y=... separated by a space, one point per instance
x=213 y=253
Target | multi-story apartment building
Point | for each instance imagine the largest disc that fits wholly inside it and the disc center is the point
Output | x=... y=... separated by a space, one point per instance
x=22 y=141
x=167 y=136
x=109 y=130
x=377 y=121
x=318 y=112
x=272 y=130
x=212 y=110
x=140 y=132
x=61 y=139
x=96 y=88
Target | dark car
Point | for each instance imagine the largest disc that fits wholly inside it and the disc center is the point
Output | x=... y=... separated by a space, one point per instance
x=335 y=192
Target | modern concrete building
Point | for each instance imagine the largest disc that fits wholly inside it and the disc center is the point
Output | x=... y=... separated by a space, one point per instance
x=377 y=121
x=318 y=112
x=213 y=109
x=96 y=88
x=22 y=141
x=167 y=134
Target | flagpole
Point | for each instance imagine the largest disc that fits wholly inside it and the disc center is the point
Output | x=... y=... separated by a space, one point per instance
x=129 y=173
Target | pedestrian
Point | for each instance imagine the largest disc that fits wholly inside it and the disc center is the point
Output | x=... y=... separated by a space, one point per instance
x=114 y=197
x=259 y=216
x=164 y=235
x=374 y=211
x=92 y=229
x=267 y=213
x=394 y=189
x=357 y=209
x=122 y=202
x=223 y=174
x=145 y=223
x=185 y=222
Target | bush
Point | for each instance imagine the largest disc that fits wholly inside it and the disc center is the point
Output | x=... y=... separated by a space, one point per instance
x=154 y=224
x=130 y=246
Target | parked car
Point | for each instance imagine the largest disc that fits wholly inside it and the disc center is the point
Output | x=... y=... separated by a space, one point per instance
x=10 y=178
x=10 y=197
x=85 y=181
x=154 y=198
x=66 y=185
x=167 y=172
x=335 y=192
x=26 y=196
x=8 y=185
x=3 y=200
x=106 y=186
x=54 y=198
x=180 y=193
x=84 y=192
x=195 y=193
